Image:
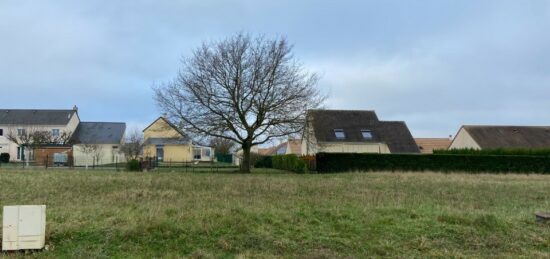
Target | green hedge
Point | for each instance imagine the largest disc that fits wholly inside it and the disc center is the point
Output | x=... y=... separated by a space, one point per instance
x=4 y=158
x=133 y=165
x=345 y=162
x=498 y=151
x=284 y=162
x=264 y=162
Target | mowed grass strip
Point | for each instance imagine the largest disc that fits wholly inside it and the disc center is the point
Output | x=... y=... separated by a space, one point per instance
x=114 y=214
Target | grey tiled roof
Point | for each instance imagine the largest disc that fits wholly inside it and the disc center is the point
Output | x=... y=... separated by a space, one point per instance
x=491 y=137
x=395 y=134
x=35 y=117
x=99 y=133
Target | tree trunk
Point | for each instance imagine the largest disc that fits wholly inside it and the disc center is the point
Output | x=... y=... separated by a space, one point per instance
x=245 y=165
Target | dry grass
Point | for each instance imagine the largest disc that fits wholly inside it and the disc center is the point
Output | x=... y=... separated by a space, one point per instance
x=111 y=214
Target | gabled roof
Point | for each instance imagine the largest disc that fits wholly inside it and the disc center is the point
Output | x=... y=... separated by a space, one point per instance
x=99 y=133
x=36 y=117
x=393 y=133
x=428 y=145
x=270 y=151
x=295 y=146
x=169 y=124
x=491 y=137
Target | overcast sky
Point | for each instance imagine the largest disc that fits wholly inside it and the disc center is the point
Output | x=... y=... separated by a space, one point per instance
x=434 y=64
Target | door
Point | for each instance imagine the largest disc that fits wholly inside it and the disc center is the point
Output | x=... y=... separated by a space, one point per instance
x=160 y=153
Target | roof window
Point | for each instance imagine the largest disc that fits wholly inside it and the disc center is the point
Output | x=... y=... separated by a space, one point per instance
x=339 y=133
x=367 y=134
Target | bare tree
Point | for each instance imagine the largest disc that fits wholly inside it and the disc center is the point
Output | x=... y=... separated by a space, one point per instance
x=133 y=145
x=94 y=151
x=244 y=89
x=31 y=137
x=222 y=145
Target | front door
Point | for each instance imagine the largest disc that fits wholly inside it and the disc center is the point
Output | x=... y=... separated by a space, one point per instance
x=160 y=153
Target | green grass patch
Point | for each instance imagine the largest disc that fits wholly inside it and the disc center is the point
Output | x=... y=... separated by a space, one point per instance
x=276 y=214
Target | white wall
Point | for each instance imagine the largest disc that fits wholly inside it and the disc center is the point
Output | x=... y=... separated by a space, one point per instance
x=352 y=147
x=11 y=148
x=109 y=155
x=463 y=140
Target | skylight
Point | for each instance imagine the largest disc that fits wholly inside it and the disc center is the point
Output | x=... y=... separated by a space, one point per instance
x=367 y=134
x=339 y=133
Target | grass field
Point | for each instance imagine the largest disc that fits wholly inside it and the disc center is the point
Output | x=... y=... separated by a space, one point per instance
x=114 y=214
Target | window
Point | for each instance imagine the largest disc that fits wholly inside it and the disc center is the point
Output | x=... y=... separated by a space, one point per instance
x=206 y=152
x=1 y=132
x=367 y=134
x=339 y=133
x=197 y=153
x=21 y=132
x=55 y=132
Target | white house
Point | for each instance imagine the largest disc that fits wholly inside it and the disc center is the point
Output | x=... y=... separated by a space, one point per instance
x=22 y=122
x=98 y=143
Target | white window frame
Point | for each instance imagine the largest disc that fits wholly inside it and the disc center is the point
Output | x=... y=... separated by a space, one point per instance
x=336 y=134
x=370 y=137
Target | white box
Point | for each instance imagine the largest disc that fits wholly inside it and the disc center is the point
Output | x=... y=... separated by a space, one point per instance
x=24 y=227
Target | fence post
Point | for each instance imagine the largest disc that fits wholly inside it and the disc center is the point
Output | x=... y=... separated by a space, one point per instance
x=46 y=164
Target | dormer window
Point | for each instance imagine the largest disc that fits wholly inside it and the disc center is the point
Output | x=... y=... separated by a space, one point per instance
x=339 y=133
x=367 y=134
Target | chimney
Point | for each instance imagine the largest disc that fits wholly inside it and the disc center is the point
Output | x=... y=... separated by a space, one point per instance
x=75 y=108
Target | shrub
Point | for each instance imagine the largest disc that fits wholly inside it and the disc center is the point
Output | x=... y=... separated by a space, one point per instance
x=290 y=163
x=133 y=165
x=264 y=162
x=4 y=158
x=345 y=162
x=498 y=151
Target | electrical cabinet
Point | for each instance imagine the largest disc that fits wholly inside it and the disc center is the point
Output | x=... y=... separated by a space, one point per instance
x=24 y=227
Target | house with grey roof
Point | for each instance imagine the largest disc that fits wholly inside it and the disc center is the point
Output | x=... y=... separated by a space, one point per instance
x=501 y=137
x=166 y=142
x=64 y=134
x=98 y=143
x=355 y=131
x=16 y=125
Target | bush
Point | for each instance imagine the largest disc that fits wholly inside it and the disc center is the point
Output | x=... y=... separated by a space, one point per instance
x=498 y=151
x=345 y=162
x=4 y=158
x=290 y=163
x=133 y=165
x=264 y=162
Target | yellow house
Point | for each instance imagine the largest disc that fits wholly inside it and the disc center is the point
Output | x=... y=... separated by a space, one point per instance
x=165 y=142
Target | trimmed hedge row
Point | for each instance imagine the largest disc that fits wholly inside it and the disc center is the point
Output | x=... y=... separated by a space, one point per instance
x=4 y=158
x=498 y=151
x=345 y=162
x=284 y=162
